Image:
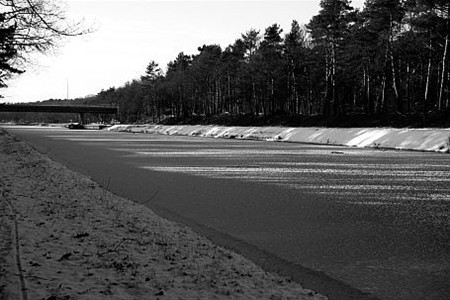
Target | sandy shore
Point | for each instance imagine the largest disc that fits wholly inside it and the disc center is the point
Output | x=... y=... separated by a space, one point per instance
x=62 y=236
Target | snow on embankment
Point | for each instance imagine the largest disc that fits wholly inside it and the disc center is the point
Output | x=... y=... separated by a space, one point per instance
x=406 y=139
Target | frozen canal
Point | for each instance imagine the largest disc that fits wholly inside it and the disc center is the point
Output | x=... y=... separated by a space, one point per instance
x=378 y=221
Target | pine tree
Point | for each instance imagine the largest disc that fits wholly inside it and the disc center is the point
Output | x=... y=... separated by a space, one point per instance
x=329 y=29
x=384 y=20
x=251 y=41
x=206 y=73
x=232 y=67
x=149 y=81
x=295 y=55
x=272 y=67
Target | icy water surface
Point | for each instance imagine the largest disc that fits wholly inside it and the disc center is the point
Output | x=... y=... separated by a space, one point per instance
x=411 y=180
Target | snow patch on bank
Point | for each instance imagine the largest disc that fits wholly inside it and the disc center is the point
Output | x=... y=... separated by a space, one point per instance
x=436 y=140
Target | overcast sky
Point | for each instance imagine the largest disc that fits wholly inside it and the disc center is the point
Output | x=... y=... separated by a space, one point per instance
x=129 y=34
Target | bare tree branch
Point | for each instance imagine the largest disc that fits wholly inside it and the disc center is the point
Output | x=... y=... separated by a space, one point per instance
x=28 y=26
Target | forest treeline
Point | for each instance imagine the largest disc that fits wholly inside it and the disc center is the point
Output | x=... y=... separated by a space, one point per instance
x=389 y=58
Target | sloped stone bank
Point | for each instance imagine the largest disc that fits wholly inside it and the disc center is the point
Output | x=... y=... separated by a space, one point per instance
x=436 y=140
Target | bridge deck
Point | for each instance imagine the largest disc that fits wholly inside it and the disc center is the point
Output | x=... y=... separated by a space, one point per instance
x=58 y=109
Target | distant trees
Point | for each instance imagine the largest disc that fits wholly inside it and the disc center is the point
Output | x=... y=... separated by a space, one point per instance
x=27 y=26
x=389 y=58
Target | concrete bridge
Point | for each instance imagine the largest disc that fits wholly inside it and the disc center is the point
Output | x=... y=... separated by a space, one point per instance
x=81 y=110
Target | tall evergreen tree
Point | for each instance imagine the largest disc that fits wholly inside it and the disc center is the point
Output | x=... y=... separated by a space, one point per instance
x=298 y=81
x=251 y=40
x=151 y=100
x=206 y=70
x=177 y=84
x=384 y=19
x=329 y=29
x=233 y=62
x=272 y=69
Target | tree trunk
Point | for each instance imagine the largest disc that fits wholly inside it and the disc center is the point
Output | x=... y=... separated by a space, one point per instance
x=444 y=65
x=447 y=106
x=394 y=85
x=408 y=83
x=382 y=105
x=254 y=105
x=334 y=102
x=391 y=57
x=326 y=107
x=272 y=97
x=427 y=86
x=366 y=79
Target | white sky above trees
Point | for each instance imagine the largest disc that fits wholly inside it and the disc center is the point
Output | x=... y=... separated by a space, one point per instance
x=129 y=34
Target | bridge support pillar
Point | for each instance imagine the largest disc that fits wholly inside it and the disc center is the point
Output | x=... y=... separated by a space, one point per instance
x=82 y=118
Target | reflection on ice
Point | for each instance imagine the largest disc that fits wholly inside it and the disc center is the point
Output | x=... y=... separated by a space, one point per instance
x=413 y=175
x=300 y=179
